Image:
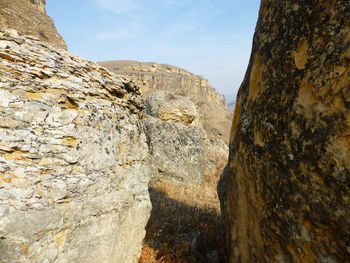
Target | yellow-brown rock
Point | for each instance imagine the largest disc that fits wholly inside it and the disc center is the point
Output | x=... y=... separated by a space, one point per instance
x=29 y=17
x=285 y=193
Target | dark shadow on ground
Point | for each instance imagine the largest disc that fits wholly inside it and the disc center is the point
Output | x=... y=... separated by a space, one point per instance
x=181 y=233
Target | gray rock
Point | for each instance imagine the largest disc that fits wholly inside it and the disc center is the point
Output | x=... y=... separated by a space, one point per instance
x=183 y=153
x=73 y=159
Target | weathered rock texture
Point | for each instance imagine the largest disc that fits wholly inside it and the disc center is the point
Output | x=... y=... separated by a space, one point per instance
x=168 y=106
x=73 y=175
x=286 y=191
x=152 y=77
x=29 y=17
x=181 y=149
x=185 y=154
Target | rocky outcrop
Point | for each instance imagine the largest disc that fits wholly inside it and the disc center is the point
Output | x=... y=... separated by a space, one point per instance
x=286 y=193
x=73 y=171
x=39 y=4
x=181 y=150
x=168 y=106
x=152 y=77
x=29 y=17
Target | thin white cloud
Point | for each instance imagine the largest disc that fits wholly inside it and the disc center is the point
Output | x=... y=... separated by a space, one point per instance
x=167 y=51
x=122 y=33
x=126 y=6
x=118 y=6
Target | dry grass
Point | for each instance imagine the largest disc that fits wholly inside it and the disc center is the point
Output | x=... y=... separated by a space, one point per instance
x=185 y=224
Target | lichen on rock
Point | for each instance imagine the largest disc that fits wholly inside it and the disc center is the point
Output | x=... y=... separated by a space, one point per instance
x=285 y=192
x=73 y=158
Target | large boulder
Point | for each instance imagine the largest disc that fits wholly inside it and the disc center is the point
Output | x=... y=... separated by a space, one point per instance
x=168 y=106
x=285 y=193
x=181 y=149
x=73 y=170
x=29 y=17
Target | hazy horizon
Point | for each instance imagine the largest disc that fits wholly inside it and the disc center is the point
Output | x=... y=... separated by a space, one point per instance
x=208 y=38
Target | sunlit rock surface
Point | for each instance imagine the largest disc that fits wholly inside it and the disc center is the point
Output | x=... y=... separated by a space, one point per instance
x=73 y=172
x=168 y=106
x=181 y=149
x=153 y=77
x=29 y=17
x=286 y=191
x=187 y=124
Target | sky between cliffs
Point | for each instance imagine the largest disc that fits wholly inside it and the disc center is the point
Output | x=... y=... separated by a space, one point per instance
x=211 y=38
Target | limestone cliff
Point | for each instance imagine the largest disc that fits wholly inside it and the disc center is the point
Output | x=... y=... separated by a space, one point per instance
x=73 y=170
x=29 y=17
x=152 y=77
x=286 y=191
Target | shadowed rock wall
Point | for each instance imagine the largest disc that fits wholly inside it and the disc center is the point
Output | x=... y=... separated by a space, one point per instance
x=73 y=170
x=285 y=193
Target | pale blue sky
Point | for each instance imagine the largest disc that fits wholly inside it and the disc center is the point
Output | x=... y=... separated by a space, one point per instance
x=211 y=38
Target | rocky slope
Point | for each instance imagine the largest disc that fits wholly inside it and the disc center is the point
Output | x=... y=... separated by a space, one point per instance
x=29 y=17
x=286 y=191
x=73 y=170
x=152 y=77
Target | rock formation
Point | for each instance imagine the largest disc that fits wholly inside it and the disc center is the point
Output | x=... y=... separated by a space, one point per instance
x=29 y=17
x=152 y=77
x=168 y=106
x=73 y=170
x=181 y=149
x=285 y=193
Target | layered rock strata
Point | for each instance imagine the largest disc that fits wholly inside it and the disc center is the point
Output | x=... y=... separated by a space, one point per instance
x=29 y=17
x=286 y=191
x=73 y=171
x=152 y=77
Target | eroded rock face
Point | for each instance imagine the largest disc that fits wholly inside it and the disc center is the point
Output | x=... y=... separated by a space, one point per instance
x=39 y=4
x=286 y=191
x=73 y=172
x=29 y=17
x=168 y=106
x=181 y=149
x=152 y=77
